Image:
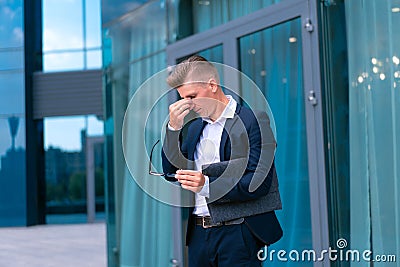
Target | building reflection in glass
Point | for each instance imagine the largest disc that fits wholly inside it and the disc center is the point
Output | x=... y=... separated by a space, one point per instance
x=65 y=168
x=12 y=180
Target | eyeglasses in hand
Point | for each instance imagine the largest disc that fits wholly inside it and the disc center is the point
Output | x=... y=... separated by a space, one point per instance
x=168 y=176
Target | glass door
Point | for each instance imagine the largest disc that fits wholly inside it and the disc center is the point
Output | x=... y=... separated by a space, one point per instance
x=273 y=59
x=277 y=48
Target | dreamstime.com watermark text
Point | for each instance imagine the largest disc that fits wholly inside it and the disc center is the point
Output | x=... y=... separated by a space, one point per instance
x=339 y=254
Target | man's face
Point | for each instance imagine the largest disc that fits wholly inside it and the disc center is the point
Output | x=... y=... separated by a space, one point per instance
x=200 y=95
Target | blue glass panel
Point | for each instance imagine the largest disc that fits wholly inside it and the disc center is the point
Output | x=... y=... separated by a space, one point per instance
x=12 y=171
x=106 y=48
x=12 y=115
x=112 y=9
x=139 y=37
x=214 y=54
x=12 y=149
x=12 y=131
x=11 y=59
x=136 y=203
x=11 y=24
x=57 y=127
x=209 y=14
x=12 y=92
x=93 y=59
x=62 y=24
x=93 y=23
x=63 y=61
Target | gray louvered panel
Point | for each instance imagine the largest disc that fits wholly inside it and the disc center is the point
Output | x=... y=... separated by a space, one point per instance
x=67 y=93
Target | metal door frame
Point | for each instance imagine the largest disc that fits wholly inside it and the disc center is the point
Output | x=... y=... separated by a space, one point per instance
x=228 y=35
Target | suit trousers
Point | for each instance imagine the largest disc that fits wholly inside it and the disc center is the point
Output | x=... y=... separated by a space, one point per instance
x=223 y=246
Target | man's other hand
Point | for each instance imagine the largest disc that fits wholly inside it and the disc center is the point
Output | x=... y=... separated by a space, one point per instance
x=191 y=180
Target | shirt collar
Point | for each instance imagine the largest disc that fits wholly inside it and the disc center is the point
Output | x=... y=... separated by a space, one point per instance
x=228 y=112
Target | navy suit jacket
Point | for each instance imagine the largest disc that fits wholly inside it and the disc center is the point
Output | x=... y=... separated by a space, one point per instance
x=247 y=135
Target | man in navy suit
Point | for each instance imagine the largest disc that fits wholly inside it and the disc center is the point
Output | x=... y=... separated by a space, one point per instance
x=226 y=159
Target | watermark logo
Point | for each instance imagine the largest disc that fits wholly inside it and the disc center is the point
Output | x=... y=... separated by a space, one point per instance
x=341 y=243
x=340 y=253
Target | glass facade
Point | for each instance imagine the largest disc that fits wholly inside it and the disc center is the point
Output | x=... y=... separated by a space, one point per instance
x=374 y=110
x=71 y=35
x=114 y=9
x=335 y=82
x=22 y=158
x=12 y=115
x=72 y=41
x=209 y=14
x=198 y=16
x=272 y=58
x=135 y=50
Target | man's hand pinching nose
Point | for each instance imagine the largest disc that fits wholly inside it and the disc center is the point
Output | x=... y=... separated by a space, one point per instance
x=178 y=112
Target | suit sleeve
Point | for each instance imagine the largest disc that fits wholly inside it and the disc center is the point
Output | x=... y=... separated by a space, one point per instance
x=173 y=155
x=256 y=179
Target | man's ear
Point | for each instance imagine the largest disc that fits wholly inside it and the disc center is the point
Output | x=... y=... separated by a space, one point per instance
x=213 y=85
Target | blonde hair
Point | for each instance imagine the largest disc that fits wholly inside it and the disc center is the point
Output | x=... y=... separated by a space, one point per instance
x=194 y=69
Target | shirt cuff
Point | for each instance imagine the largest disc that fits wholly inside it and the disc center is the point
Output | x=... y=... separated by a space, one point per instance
x=172 y=129
x=205 y=191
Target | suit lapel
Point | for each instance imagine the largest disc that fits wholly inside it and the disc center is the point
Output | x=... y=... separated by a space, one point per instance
x=227 y=128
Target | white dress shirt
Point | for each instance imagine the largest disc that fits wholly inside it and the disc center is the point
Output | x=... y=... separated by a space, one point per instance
x=207 y=151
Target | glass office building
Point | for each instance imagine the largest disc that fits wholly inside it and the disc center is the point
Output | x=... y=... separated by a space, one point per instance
x=329 y=70
x=13 y=115
x=20 y=134
x=48 y=66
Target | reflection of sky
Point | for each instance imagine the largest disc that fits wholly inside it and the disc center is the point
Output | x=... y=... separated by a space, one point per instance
x=12 y=59
x=60 y=132
x=62 y=30
x=12 y=93
x=12 y=100
x=65 y=132
x=63 y=24
x=11 y=26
